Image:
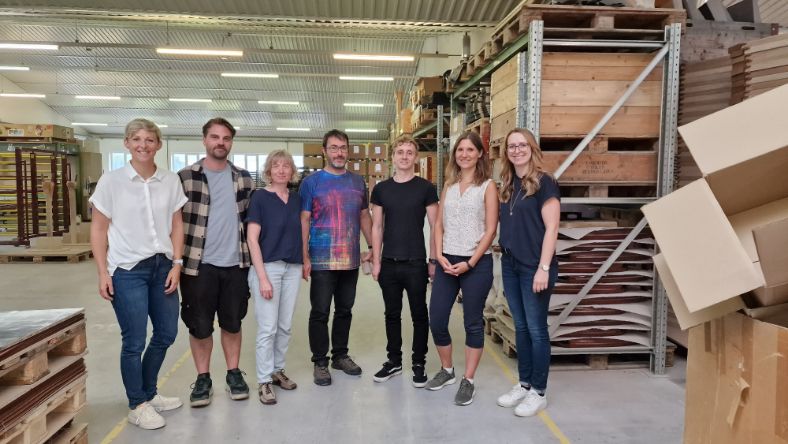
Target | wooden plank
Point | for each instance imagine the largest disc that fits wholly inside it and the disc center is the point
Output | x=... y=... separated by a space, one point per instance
x=600 y=93
x=624 y=167
x=631 y=122
x=503 y=101
x=502 y=124
x=504 y=76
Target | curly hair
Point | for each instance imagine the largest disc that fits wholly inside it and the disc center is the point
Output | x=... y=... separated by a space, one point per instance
x=533 y=172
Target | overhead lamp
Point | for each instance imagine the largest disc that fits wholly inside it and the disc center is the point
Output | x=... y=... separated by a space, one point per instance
x=14 y=68
x=201 y=52
x=162 y=126
x=371 y=78
x=237 y=128
x=374 y=57
x=276 y=102
x=23 y=95
x=366 y=105
x=88 y=124
x=258 y=75
x=176 y=99
x=357 y=130
x=30 y=46
x=292 y=129
x=98 y=97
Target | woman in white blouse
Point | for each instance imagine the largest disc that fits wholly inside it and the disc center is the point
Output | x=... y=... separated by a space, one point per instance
x=137 y=242
x=464 y=230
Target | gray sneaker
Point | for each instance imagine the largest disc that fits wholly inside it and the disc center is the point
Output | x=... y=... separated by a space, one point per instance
x=322 y=375
x=465 y=393
x=346 y=365
x=443 y=378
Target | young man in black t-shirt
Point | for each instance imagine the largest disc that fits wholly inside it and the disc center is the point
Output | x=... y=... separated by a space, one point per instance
x=399 y=258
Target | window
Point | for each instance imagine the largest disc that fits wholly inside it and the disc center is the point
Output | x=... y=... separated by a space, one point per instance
x=118 y=160
x=182 y=160
x=250 y=162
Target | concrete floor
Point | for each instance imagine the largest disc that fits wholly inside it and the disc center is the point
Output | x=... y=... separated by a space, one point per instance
x=612 y=406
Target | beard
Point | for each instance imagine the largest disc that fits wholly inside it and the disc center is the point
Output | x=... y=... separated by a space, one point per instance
x=219 y=153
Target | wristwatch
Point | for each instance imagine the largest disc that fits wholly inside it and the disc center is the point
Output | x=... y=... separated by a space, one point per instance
x=433 y=261
x=177 y=262
x=544 y=267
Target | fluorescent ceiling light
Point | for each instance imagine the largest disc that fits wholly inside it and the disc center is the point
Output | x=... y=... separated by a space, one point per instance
x=88 y=124
x=351 y=130
x=174 y=99
x=276 y=102
x=292 y=129
x=201 y=52
x=237 y=128
x=250 y=74
x=374 y=57
x=31 y=46
x=162 y=126
x=23 y=95
x=14 y=68
x=372 y=78
x=98 y=97
x=366 y=105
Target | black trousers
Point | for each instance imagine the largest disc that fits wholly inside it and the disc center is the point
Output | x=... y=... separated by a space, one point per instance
x=339 y=285
x=410 y=276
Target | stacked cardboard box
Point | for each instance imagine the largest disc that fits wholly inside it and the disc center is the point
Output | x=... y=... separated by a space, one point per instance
x=313 y=156
x=33 y=131
x=724 y=245
x=759 y=66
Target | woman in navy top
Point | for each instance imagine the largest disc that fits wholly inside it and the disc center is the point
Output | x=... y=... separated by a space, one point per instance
x=530 y=211
x=274 y=237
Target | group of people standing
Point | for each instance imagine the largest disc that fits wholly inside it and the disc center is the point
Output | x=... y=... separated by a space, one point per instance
x=208 y=230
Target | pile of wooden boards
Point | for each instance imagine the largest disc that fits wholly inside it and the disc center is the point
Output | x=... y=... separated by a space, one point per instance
x=758 y=66
x=618 y=310
x=42 y=376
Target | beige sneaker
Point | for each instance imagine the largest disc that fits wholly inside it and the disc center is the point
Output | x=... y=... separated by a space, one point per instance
x=165 y=403
x=266 y=391
x=280 y=378
x=146 y=417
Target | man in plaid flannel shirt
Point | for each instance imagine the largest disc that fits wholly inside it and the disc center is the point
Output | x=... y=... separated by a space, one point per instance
x=216 y=258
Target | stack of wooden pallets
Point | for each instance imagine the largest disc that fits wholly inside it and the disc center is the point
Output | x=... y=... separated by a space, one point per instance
x=42 y=376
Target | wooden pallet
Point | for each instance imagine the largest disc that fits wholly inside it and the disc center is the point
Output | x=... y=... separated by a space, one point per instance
x=36 y=140
x=609 y=361
x=50 y=418
x=72 y=434
x=33 y=363
x=70 y=254
x=500 y=334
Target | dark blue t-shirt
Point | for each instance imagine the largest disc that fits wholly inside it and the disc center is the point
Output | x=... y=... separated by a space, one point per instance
x=522 y=231
x=280 y=232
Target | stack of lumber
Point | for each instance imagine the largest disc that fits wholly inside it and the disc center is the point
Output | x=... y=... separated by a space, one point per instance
x=42 y=376
x=618 y=310
x=759 y=66
x=705 y=89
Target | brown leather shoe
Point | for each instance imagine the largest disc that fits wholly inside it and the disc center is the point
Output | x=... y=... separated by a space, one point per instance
x=280 y=378
x=266 y=392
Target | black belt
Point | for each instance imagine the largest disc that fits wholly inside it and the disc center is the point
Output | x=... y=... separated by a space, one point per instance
x=402 y=261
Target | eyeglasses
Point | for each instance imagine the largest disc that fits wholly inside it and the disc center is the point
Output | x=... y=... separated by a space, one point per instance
x=517 y=147
x=336 y=149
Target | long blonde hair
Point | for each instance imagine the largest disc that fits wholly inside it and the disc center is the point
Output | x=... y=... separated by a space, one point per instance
x=482 y=165
x=534 y=171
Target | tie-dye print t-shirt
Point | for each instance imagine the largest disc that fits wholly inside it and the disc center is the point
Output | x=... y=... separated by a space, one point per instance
x=335 y=202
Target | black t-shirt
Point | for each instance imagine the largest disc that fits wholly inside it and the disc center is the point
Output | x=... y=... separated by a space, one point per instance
x=280 y=226
x=404 y=207
x=522 y=232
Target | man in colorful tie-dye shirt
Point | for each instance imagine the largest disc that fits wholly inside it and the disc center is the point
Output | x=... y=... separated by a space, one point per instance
x=334 y=210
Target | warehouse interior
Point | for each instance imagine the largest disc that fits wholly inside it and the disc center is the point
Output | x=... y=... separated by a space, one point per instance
x=657 y=336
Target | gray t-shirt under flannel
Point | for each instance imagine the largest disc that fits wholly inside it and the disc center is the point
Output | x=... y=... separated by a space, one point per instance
x=221 y=235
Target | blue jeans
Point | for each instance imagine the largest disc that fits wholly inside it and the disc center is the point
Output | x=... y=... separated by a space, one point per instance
x=139 y=294
x=529 y=311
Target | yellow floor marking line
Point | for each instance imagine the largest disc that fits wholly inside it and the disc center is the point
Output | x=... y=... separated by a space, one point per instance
x=543 y=414
x=160 y=383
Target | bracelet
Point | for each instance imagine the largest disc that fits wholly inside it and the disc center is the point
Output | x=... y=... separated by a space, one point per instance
x=177 y=262
x=470 y=267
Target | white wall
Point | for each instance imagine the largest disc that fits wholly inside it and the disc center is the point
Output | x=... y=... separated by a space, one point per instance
x=28 y=110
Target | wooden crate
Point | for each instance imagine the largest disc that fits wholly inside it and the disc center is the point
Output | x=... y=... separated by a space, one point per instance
x=424 y=88
x=603 y=164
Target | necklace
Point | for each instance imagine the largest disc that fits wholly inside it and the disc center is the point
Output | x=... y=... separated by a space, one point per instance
x=513 y=202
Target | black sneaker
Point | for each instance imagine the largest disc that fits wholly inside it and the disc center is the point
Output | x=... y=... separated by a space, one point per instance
x=202 y=389
x=389 y=369
x=419 y=376
x=346 y=365
x=236 y=385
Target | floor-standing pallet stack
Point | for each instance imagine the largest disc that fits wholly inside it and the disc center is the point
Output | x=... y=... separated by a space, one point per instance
x=570 y=67
x=42 y=376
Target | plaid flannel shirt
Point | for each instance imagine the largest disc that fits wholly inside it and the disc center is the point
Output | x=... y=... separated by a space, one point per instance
x=195 y=213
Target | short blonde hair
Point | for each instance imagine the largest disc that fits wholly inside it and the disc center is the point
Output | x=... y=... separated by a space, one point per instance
x=404 y=139
x=276 y=156
x=142 y=124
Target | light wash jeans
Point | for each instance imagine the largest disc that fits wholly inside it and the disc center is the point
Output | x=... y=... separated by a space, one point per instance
x=274 y=316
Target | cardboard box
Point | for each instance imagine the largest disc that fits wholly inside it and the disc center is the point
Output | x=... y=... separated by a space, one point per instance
x=313 y=162
x=374 y=180
x=36 y=130
x=378 y=151
x=357 y=151
x=737 y=379
x=313 y=149
x=358 y=166
x=378 y=168
x=724 y=234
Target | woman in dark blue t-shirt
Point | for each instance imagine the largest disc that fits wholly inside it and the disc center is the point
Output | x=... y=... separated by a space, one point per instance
x=274 y=238
x=530 y=211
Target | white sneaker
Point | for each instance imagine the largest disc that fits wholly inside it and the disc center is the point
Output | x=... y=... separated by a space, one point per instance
x=531 y=405
x=146 y=417
x=164 y=403
x=513 y=396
